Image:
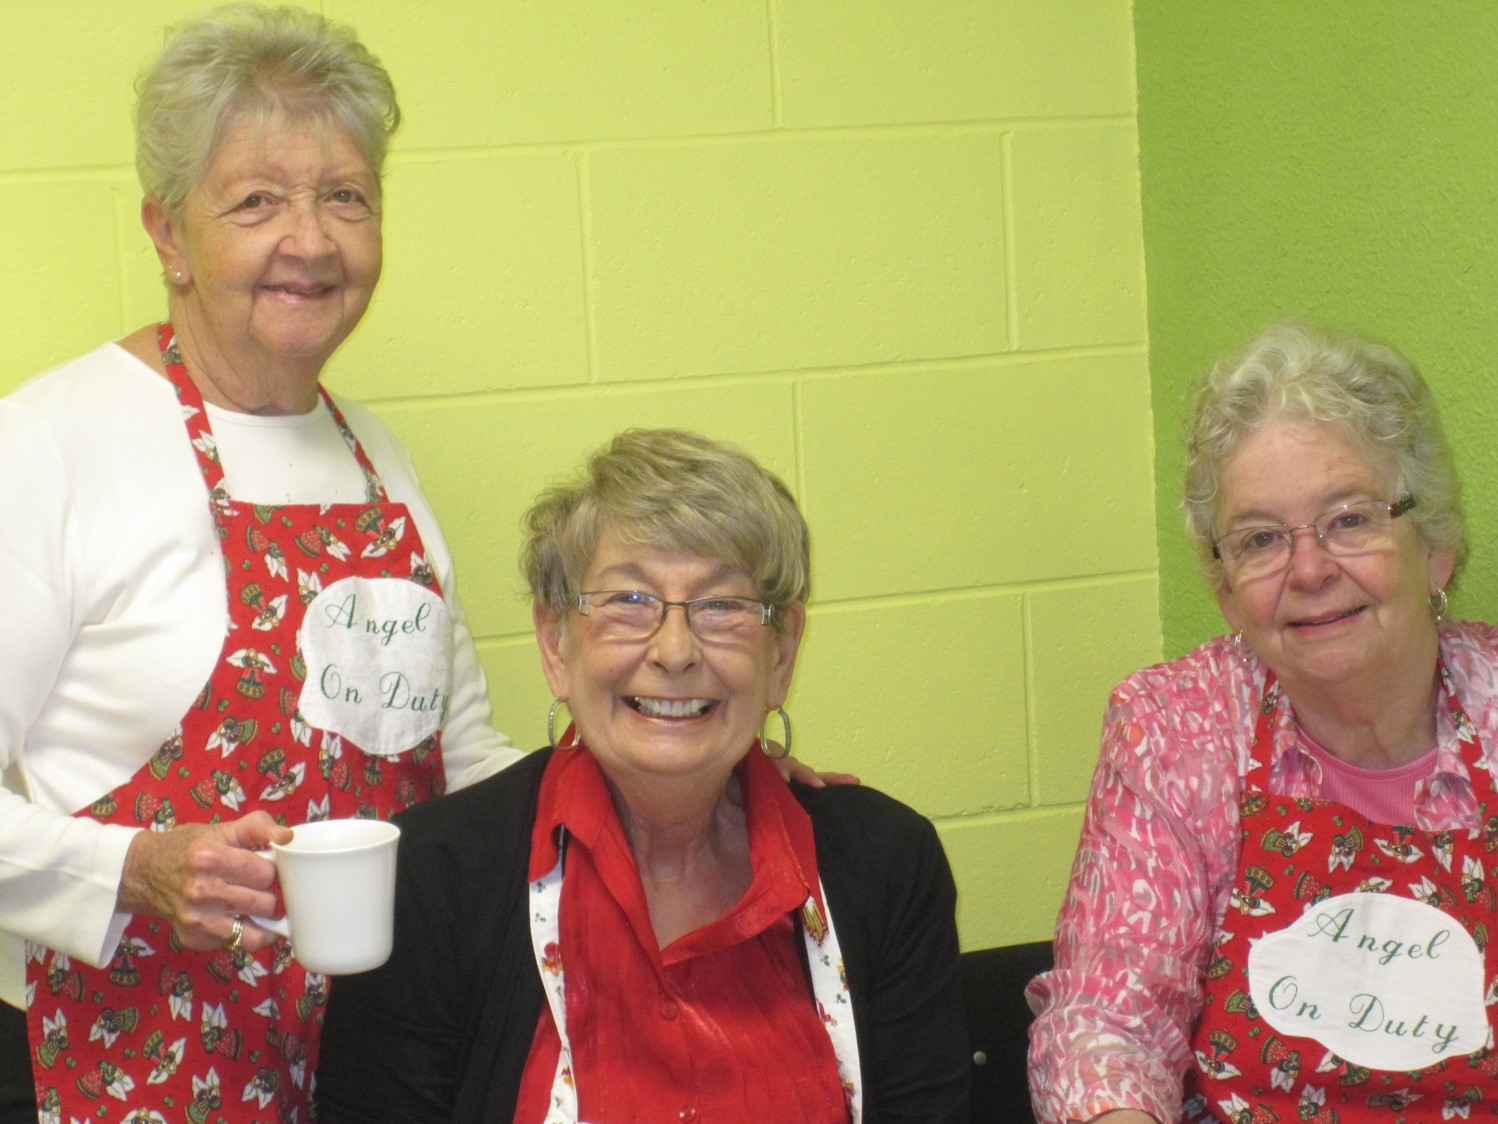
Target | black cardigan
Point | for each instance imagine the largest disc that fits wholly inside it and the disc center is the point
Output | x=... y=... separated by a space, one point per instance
x=440 y=1034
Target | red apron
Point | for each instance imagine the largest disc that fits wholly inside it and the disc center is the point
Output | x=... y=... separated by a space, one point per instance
x=335 y=623
x=1352 y=976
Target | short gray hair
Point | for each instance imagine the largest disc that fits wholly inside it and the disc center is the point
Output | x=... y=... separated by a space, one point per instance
x=1294 y=370
x=244 y=58
x=672 y=490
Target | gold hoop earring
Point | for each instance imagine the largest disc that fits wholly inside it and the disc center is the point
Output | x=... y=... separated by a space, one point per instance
x=785 y=721
x=551 y=728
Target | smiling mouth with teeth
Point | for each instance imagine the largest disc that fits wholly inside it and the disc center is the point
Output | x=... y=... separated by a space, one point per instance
x=1329 y=619
x=300 y=290
x=669 y=708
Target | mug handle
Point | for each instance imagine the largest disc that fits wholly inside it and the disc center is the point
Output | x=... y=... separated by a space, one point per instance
x=277 y=925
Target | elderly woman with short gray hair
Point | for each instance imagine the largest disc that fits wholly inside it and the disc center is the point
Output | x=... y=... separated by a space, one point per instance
x=722 y=946
x=196 y=537
x=1283 y=900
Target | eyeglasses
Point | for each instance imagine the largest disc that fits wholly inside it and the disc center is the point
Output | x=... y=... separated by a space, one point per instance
x=631 y=614
x=1353 y=528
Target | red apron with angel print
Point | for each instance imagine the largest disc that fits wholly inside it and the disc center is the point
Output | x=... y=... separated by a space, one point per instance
x=1353 y=974
x=326 y=701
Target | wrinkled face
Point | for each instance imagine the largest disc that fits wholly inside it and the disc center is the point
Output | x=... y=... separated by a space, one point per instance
x=1325 y=619
x=278 y=248
x=670 y=704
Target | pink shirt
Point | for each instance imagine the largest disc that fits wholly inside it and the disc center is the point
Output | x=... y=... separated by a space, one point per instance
x=1383 y=795
x=1156 y=861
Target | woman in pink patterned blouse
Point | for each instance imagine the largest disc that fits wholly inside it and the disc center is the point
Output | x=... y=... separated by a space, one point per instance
x=1283 y=897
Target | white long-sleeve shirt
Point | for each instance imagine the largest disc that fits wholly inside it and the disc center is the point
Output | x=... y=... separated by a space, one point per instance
x=113 y=610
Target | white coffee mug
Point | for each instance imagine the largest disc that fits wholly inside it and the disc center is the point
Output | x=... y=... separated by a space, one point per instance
x=338 y=884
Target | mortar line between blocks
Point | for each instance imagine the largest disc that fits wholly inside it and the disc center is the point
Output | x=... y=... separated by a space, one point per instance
x=798 y=437
x=1006 y=200
x=777 y=100
x=1032 y=749
x=585 y=237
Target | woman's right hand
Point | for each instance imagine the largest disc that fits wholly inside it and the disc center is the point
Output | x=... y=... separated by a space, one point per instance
x=200 y=877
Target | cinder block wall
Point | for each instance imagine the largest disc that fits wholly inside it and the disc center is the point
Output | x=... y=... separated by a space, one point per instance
x=893 y=249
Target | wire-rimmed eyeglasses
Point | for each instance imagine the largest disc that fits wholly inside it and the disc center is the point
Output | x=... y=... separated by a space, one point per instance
x=1353 y=528
x=632 y=614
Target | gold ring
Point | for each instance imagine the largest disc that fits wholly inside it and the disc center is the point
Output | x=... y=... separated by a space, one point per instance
x=236 y=933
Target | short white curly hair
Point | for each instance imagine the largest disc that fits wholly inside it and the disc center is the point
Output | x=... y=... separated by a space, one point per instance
x=1293 y=369
x=245 y=58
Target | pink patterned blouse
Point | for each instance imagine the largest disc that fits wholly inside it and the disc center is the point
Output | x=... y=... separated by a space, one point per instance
x=1157 y=857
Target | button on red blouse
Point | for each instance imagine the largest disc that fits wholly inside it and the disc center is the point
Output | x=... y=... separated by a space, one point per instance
x=721 y=1021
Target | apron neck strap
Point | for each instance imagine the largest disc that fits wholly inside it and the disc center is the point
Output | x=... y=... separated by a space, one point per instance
x=1256 y=777
x=200 y=429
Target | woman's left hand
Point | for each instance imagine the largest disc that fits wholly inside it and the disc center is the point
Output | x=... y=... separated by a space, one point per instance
x=801 y=773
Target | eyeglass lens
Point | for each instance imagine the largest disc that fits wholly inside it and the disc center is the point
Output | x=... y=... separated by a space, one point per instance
x=634 y=613
x=1349 y=529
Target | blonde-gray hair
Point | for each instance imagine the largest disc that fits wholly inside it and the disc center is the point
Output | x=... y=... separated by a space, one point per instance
x=1294 y=370
x=672 y=490
x=245 y=58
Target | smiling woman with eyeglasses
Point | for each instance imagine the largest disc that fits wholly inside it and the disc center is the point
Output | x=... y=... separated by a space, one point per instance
x=723 y=946
x=1283 y=902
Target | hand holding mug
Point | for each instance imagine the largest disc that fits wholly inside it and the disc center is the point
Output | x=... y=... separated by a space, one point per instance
x=198 y=877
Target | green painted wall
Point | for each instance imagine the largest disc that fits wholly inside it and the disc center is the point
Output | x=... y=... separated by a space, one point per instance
x=1336 y=160
x=892 y=248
